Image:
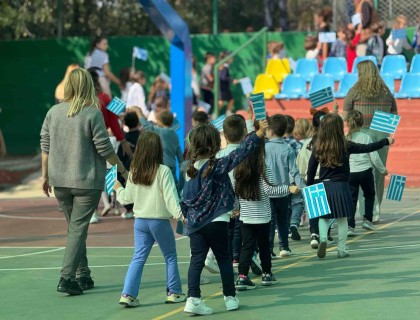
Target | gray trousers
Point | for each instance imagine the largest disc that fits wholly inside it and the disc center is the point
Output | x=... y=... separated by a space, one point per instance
x=78 y=206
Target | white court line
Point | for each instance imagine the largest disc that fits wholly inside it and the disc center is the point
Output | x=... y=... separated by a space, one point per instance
x=32 y=253
x=106 y=266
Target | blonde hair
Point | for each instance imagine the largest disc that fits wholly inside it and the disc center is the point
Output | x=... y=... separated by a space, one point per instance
x=59 y=91
x=399 y=22
x=80 y=92
x=370 y=83
x=303 y=128
x=354 y=122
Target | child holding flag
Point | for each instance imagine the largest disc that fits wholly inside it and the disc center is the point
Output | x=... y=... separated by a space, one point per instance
x=332 y=151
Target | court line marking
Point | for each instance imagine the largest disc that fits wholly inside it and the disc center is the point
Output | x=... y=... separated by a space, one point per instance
x=32 y=253
x=300 y=260
x=104 y=266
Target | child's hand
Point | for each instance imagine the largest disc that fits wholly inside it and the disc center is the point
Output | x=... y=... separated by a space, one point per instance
x=385 y=173
x=235 y=81
x=250 y=111
x=263 y=128
x=235 y=214
x=391 y=140
x=294 y=189
x=117 y=185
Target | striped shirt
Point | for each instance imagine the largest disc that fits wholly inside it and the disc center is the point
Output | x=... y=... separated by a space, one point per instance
x=385 y=102
x=97 y=59
x=259 y=212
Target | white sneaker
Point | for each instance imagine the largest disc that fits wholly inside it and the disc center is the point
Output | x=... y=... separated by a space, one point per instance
x=211 y=265
x=376 y=219
x=232 y=303
x=127 y=215
x=204 y=280
x=285 y=253
x=94 y=218
x=368 y=225
x=197 y=306
x=351 y=232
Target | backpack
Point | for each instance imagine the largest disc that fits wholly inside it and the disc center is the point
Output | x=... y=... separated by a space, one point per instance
x=373 y=48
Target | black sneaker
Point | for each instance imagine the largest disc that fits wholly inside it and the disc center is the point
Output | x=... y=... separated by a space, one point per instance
x=268 y=279
x=322 y=249
x=244 y=283
x=86 y=283
x=255 y=266
x=295 y=233
x=314 y=241
x=273 y=255
x=70 y=287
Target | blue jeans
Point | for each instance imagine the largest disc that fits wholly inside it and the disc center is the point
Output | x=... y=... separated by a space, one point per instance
x=279 y=218
x=146 y=232
x=296 y=211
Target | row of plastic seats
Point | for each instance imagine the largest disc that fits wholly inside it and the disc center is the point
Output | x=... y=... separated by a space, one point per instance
x=294 y=86
x=394 y=65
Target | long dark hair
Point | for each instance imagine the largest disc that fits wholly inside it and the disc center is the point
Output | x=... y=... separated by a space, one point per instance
x=94 y=42
x=204 y=143
x=248 y=173
x=95 y=78
x=316 y=122
x=331 y=142
x=147 y=158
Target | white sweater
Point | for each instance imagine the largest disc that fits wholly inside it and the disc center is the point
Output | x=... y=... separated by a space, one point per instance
x=157 y=201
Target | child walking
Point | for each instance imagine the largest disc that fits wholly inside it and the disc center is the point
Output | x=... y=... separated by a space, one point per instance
x=332 y=151
x=253 y=186
x=361 y=172
x=152 y=189
x=207 y=198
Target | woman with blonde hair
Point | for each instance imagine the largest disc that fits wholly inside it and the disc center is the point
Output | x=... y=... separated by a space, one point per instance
x=59 y=91
x=75 y=147
x=368 y=95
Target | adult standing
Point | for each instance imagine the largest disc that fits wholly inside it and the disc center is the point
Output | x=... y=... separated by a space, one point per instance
x=269 y=9
x=207 y=80
x=322 y=20
x=368 y=16
x=369 y=94
x=75 y=147
x=98 y=58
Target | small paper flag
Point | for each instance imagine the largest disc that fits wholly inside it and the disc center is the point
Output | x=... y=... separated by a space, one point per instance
x=116 y=106
x=399 y=34
x=218 y=123
x=316 y=201
x=258 y=104
x=110 y=178
x=206 y=106
x=385 y=122
x=356 y=19
x=321 y=97
x=327 y=37
x=140 y=53
x=246 y=85
x=396 y=187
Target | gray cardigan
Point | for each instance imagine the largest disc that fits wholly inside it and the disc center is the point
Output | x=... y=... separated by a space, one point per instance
x=77 y=148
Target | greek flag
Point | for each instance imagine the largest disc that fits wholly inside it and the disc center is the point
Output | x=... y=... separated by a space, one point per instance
x=110 y=178
x=116 y=106
x=258 y=103
x=327 y=37
x=385 y=122
x=218 y=123
x=140 y=53
x=246 y=85
x=316 y=201
x=321 y=97
x=204 y=105
x=398 y=34
x=396 y=187
x=356 y=19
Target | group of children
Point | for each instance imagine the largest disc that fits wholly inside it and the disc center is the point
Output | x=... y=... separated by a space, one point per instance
x=232 y=199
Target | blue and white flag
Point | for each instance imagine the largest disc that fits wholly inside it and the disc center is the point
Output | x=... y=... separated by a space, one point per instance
x=246 y=85
x=321 y=97
x=398 y=34
x=206 y=106
x=140 y=53
x=396 y=187
x=110 y=178
x=218 y=123
x=258 y=104
x=385 y=122
x=316 y=201
x=116 y=106
x=327 y=37
x=356 y=19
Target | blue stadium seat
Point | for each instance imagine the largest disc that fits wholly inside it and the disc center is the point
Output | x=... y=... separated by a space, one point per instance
x=396 y=65
x=320 y=81
x=415 y=64
x=359 y=59
x=343 y=88
x=307 y=68
x=389 y=81
x=409 y=86
x=293 y=87
x=335 y=66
